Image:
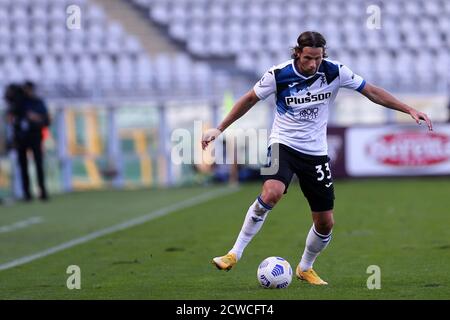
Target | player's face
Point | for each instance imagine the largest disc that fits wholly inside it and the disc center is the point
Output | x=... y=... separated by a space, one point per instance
x=310 y=60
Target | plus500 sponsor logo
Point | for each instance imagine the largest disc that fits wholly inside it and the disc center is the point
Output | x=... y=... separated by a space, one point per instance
x=411 y=149
x=295 y=101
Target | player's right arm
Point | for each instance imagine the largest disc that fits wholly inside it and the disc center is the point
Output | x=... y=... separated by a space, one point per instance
x=245 y=103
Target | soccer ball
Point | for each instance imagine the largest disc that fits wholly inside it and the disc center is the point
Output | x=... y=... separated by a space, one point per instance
x=274 y=273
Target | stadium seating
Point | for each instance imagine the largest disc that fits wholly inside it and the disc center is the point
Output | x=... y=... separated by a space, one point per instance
x=410 y=52
x=100 y=58
x=411 y=47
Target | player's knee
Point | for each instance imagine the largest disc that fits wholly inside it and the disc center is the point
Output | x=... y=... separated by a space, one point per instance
x=273 y=196
x=272 y=193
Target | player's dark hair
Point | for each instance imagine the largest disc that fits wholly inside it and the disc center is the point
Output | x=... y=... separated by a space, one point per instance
x=311 y=39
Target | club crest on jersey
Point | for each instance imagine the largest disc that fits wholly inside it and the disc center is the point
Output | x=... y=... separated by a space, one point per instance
x=299 y=100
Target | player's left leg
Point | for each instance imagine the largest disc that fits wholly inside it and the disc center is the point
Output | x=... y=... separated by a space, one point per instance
x=272 y=192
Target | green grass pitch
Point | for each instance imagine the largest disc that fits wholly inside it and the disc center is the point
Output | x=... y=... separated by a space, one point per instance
x=402 y=226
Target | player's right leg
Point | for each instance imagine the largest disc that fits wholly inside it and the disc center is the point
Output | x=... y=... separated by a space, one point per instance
x=272 y=192
x=273 y=188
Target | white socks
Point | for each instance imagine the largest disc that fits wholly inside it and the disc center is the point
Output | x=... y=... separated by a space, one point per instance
x=315 y=243
x=253 y=222
x=256 y=215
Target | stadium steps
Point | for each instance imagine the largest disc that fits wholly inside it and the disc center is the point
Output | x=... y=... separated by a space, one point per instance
x=134 y=22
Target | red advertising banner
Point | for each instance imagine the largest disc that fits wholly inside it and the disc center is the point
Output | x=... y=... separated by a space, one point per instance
x=398 y=151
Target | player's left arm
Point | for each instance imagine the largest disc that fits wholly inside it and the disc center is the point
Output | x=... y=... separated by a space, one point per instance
x=384 y=98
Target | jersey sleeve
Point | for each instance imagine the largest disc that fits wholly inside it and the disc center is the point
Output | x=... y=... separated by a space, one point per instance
x=350 y=80
x=266 y=85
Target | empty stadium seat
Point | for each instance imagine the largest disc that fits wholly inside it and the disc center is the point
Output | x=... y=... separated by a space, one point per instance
x=100 y=57
x=255 y=33
x=258 y=29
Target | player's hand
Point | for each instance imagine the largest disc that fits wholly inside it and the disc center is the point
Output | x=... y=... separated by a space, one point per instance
x=209 y=135
x=417 y=115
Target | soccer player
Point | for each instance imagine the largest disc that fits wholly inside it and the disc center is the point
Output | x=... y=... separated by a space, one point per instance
x=304 y=87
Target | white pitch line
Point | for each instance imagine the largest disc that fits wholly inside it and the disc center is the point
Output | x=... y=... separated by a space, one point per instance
x=20 y=224
x=118 y=227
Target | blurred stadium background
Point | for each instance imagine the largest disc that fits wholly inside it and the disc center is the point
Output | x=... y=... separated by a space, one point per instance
x=136 y=70
x=119 y=76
